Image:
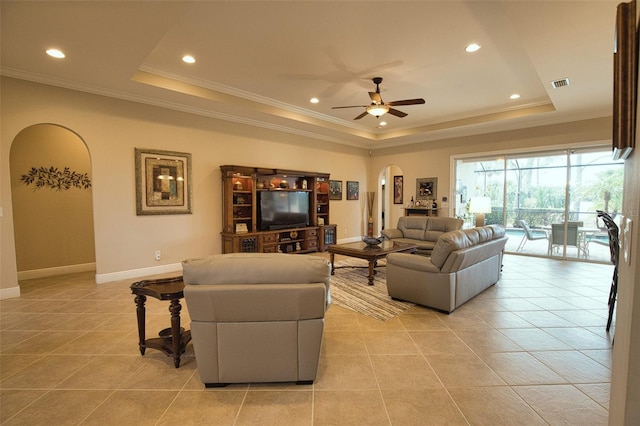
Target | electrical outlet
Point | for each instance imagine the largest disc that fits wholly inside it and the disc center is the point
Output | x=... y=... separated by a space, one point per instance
x=158 y=255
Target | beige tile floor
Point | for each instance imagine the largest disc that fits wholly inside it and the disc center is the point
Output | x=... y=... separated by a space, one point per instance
x=530 y=350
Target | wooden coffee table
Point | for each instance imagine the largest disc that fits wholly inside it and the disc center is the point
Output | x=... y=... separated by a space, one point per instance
x=369 y=253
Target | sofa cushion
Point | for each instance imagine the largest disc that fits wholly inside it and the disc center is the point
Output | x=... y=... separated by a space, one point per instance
x=412 y=227
x=444 y=224
x=463 y=238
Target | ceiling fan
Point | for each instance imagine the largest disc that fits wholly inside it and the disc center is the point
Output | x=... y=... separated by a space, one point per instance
x=378 y=107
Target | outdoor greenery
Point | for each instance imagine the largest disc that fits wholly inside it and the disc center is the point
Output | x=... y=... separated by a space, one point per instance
x=536 y=187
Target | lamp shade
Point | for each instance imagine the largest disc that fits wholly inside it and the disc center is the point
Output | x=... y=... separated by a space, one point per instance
x=480 y=205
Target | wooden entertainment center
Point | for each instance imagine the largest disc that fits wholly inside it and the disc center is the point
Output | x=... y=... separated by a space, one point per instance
x=243 y=229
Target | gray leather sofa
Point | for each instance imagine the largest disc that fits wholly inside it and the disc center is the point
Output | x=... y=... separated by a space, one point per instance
x=257 y=317
x=463 y=264
x=422 y=230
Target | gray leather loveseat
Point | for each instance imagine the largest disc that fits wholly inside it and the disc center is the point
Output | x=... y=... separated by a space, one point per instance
x=257 y=317
x=463 y=264
x=422 y=230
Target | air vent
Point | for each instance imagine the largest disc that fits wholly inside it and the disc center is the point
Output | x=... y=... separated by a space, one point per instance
x=560 y=83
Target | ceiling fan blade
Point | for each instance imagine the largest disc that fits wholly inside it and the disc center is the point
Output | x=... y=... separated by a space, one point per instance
x=407 y=102
x=375 y=97
x=351 y=106
x=361 y=115
x=397 y=113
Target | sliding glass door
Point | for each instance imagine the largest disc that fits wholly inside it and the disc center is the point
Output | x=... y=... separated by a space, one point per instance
x=546 y=200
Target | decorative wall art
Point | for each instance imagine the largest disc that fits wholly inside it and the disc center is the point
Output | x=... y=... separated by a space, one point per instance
x=335 y=190
x=353 y=190
x=163 y=182
x=398 y=188
x=54 y=178
x=426 y=188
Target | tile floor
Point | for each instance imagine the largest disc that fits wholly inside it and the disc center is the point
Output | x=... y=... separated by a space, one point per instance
x=530 y=350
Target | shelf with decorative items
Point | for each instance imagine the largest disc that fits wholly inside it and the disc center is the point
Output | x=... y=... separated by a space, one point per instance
x=322 y=200
x=327 y=232
x=261 y=205
x=327 y=236
x=238 y=195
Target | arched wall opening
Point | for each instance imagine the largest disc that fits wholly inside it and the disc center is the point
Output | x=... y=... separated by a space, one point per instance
x=390 y=203
x=50 y=169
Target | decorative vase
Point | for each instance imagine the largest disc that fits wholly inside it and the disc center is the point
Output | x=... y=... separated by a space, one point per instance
x=370 y=197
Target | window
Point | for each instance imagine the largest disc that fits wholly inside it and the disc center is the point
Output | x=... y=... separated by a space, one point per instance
x=543 y=188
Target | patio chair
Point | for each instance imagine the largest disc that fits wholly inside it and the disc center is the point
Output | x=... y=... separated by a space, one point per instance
x=530 y=234
x=557 y=240
x=614 y=247
x=602 y=237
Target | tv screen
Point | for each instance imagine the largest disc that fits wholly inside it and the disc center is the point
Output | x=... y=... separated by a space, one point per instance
x=283 y=209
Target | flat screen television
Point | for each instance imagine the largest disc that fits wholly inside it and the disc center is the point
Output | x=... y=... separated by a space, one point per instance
x=283 y=209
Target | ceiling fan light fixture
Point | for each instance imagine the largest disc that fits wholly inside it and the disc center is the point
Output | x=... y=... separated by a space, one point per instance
x=377 y=110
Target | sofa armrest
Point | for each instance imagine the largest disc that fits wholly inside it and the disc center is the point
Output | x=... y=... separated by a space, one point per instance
x=392 y=233
x=411 y=261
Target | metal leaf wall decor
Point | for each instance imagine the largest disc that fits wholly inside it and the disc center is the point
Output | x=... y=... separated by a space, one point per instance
x=54 y=178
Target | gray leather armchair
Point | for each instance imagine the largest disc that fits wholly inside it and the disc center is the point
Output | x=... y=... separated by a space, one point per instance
x=257 y=317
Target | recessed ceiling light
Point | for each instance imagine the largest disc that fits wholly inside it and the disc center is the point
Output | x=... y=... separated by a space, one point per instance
x=314 y=100
x=514 y=96
x=383 y=123
x=188 y=59
x=55 y=53
x=473 y=47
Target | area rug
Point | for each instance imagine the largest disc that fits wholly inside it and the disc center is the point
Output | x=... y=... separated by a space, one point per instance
x=350 y=290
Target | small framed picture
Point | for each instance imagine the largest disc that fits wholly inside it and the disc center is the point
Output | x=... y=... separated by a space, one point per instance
x=353 y=190
x=398 y=188
x=335 y=190
x=427 y=188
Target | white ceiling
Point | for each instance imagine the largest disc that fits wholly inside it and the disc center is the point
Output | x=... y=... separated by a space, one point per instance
x=260 y=62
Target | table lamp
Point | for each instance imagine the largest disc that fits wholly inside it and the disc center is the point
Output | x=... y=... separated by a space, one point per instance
x=479 y=206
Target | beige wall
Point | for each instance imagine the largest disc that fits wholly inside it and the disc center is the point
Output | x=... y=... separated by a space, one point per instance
x=434 y=159
x=113 y=128
x=53 y=227
x=625 y=384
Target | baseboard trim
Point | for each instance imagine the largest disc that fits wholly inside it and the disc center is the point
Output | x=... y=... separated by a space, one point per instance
x=137 y=273
x=57 y=270
x=349 y=240
x=9 y=293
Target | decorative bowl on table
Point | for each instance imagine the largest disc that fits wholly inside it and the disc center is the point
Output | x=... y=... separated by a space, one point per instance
x=372 y=241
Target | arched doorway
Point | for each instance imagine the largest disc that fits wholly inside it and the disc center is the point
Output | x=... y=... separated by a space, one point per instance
x=51 y=193
x=388 y=210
